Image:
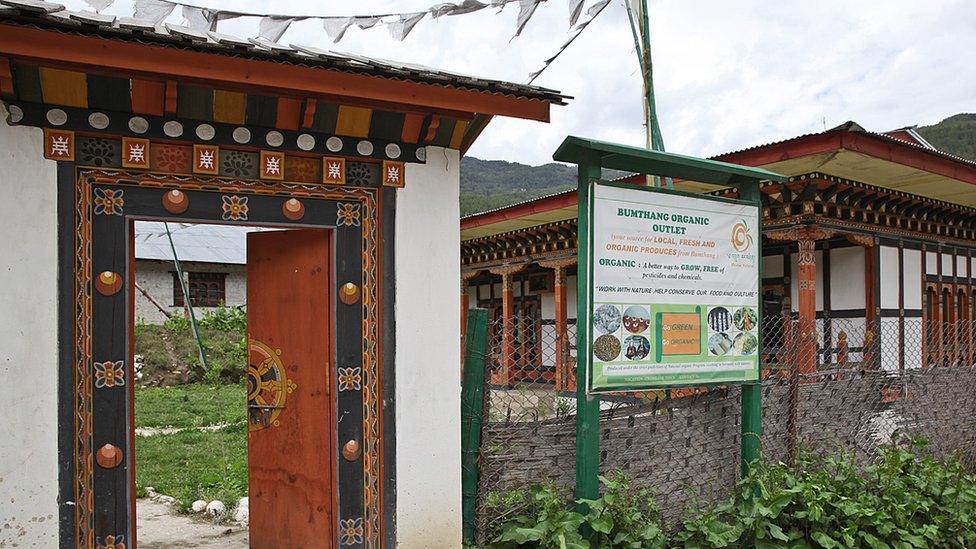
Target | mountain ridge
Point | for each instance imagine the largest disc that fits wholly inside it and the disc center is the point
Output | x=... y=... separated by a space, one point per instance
x=491 y=184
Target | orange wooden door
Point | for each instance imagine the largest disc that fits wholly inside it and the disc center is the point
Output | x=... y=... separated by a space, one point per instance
x=290 y=418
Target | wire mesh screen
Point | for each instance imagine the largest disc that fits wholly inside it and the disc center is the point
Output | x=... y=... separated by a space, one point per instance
x=834 y=384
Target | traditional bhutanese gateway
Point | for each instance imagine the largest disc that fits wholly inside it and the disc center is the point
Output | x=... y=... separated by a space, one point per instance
x=869 y=244
x=355 y=161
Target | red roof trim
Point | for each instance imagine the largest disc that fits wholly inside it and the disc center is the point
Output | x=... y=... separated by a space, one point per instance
x=155 y=61
x=539 y=205
x=880 y=146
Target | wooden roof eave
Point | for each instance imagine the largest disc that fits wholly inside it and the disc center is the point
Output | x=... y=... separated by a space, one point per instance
x=161 y=62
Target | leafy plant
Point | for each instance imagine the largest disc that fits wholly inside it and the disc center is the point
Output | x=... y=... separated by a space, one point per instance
x=225 y=319
x=177 y=324
x=904 y=499
x=625 y=517
x=548 y=523
x=621 y=517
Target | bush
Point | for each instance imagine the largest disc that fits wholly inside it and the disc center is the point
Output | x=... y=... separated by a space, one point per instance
x=225 y=319
x=621 y=517
x=172 y=347
x=177 y=324
x=905 y=499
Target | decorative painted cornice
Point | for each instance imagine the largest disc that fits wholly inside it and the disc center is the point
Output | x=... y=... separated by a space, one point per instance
x=173 y=128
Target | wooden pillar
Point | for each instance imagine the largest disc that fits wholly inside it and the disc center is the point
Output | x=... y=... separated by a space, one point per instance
x=806 y=278
x=506 y=374
x=559 y=267
x=870 y=356
x=562 y=347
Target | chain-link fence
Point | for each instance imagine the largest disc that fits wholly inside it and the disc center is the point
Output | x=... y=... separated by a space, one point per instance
x=838 y=384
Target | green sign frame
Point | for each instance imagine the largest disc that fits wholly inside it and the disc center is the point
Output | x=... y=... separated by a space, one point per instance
x=592 y=156
x=743 y=368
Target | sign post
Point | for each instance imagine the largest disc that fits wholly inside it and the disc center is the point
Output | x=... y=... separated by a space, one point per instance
x=669 y=285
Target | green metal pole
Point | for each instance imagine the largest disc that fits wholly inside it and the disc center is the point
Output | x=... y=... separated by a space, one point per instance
x=752 y=391
x=472 y=414
x=655 y=139
x=587 y=406
x=188 y=302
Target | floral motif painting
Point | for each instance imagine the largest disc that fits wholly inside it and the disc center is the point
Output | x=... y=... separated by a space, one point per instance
x=348 y=215
x=302 y=169
x=109 y=201
x=350 y=379
x=351 y=531
x=239 y=164
x=109 y=374
x=96 y=151
x=235 y=208
x=111 y=542
x=168 y=158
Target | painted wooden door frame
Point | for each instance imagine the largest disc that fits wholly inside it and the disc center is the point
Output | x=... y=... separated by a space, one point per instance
x=95 y=437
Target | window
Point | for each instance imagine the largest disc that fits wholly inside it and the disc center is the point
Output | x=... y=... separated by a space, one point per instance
x=206 y=289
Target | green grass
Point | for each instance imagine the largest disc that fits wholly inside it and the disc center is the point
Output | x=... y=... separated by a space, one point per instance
x=189 y=465
x=192 y=405
x=171 y=347
x=192 y=464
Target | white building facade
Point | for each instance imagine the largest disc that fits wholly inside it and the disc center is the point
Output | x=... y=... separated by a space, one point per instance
x=106 y=128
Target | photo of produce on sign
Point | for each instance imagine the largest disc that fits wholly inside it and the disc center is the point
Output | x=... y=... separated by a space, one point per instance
x=674 y=289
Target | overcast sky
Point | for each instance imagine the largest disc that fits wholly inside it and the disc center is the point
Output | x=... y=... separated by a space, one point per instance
x=728 y=74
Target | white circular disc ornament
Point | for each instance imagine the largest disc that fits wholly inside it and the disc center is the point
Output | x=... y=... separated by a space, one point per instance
x=98 y=120
x=305 y=142
x=334 y=144
x=206 y=132
x=275 y=139
x=57 y=117
x=138 y=124
x=241 y=135
x=364 y=148
x=16 y=114
x=173 y=128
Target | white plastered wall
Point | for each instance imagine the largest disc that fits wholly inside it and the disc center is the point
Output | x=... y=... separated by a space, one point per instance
x=428 y=391
x=28 y=339
x=912 y=272
x=156 y=277
x=890 y=277
x=846 y=278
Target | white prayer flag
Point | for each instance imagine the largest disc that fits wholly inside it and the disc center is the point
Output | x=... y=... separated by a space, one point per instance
x=400 y=28
x=336 y=27
x=273 y=27
x=153 y=10
x=575 y=9
x=99 y=5
x=526 y=9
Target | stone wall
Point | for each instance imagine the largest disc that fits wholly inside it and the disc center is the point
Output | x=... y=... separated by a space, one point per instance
x=687 y=449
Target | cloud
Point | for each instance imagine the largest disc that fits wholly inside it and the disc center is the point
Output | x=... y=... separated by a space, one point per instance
x=728 y=75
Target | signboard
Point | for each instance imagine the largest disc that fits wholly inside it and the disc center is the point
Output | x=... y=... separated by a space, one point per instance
x=674 y=289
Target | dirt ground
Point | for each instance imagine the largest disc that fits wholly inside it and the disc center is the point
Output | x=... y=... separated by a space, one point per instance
x=160 y=526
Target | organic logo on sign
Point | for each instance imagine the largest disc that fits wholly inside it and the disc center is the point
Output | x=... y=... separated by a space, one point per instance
x=741 y=239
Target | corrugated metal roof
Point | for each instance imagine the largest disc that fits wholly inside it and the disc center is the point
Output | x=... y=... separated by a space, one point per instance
x=194 y=242
x=851 y=126
x=47 y=15
x=519 y=203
